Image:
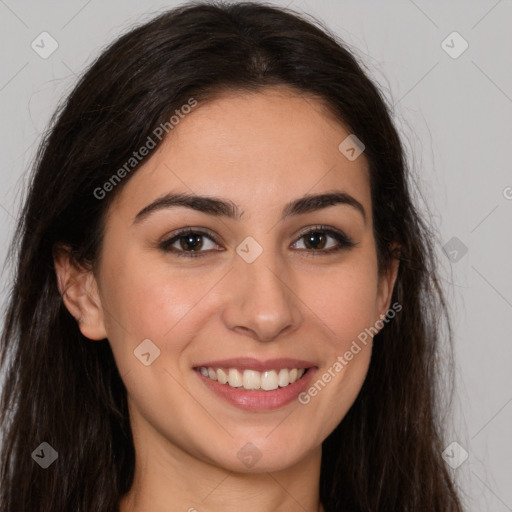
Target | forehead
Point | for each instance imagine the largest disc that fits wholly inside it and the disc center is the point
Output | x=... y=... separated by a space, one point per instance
x=257 y=149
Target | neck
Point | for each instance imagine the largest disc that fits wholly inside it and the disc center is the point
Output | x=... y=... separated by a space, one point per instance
x=169 y=479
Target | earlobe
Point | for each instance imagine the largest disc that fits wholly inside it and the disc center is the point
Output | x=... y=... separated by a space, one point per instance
x=80 y=295
x=387 y=284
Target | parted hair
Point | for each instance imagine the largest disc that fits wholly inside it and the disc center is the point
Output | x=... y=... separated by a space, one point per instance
x=60 y=388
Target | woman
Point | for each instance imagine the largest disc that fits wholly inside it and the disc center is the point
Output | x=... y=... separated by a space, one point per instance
x=224 y=295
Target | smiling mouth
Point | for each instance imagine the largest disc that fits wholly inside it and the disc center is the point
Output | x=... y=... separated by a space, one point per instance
x=253 y=380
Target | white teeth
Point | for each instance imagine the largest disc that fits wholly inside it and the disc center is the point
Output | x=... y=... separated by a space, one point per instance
x=252 y=379
x=235 y=379
x=222 y=376
x=269 y=380
x=284 y=377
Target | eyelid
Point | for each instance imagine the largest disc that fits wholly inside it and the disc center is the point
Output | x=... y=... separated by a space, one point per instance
x=344 y=241
x=324 y=228
x=170 y=239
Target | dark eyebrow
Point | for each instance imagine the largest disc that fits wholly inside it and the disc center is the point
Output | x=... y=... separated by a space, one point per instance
x=313 y=202
x=226 y=208
x=208 y=205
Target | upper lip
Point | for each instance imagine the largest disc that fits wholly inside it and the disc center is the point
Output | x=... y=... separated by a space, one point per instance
x=249 y=363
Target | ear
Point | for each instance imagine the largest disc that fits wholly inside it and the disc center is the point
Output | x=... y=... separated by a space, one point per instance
x=80 y=294
x=387 y=283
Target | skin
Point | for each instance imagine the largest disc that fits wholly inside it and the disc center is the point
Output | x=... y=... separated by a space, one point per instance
x=260 y=151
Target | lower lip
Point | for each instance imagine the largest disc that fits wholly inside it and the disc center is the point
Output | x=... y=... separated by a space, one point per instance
x=259 y=400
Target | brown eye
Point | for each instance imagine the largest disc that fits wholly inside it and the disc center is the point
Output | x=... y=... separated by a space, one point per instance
x=317 y=240
x=189 y=243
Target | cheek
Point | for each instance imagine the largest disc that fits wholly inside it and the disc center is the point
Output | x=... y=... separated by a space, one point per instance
x=345 y=300
x=142 y=302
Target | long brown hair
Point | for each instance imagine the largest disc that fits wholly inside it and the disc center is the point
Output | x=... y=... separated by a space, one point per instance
x=62 y=389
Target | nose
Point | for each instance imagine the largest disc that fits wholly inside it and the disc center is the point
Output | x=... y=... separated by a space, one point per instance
x=261 y=301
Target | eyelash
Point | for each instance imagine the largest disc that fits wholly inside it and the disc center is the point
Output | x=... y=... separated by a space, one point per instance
x=344 y=242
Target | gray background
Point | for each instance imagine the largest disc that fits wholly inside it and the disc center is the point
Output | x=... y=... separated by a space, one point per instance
x=454 y=115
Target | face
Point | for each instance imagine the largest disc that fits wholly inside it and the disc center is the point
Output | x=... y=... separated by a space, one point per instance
x=264 y=280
